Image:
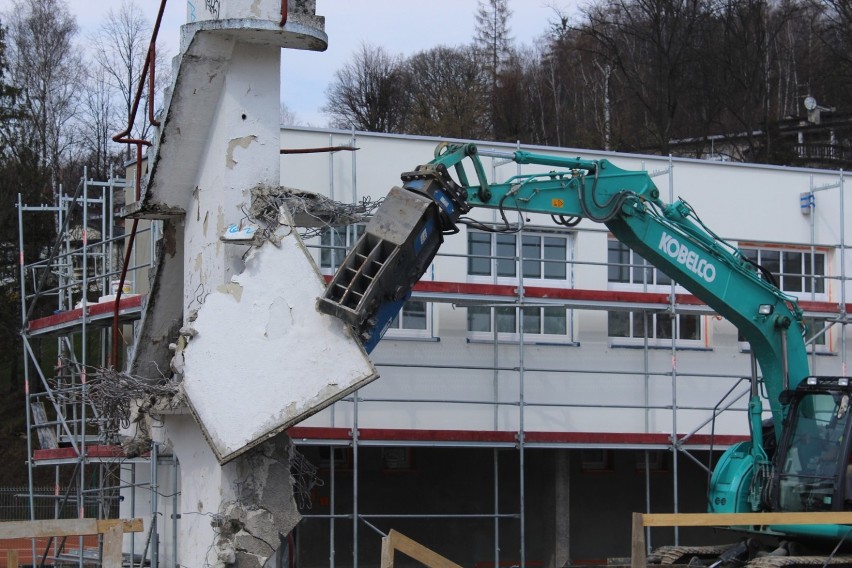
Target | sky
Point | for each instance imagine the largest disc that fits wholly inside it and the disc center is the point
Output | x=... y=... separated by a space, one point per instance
x=400 y=26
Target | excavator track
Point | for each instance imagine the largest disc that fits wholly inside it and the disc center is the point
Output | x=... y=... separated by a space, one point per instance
x=683 y=555
x=799 y=561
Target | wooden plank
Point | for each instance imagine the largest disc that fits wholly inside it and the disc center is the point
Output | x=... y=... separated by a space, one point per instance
x=65 y=527
x=12 y=558
x=112 y=557
x=387 y=553
x=127 y=525
x=35 y=529
x=419 y=552
x=638 y=558
x=734 y=519
x=46 y=435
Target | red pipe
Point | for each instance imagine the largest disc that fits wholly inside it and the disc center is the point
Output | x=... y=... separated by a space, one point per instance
x=149 y=61
x=123 y=138
x=283 y=13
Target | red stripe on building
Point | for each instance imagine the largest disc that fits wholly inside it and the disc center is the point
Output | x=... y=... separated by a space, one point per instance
x=615 y=296
x=483 y=436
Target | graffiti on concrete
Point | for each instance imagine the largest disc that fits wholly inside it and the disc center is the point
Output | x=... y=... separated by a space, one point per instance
x=213 y=7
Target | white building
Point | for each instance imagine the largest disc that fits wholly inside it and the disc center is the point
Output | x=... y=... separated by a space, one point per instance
x=480 y=433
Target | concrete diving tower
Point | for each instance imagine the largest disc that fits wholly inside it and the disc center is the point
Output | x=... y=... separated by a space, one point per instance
x=234 y=322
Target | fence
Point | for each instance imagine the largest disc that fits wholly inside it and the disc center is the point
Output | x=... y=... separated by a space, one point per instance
x=15 y=504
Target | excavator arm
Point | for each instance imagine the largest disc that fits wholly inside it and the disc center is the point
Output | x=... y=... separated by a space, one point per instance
x=402 y=239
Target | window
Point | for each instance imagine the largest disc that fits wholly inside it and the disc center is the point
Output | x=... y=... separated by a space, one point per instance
x=342 y=457
x=650 y=460
x=411 y=316
x=798 y=271
x=414 y=320
x=335 y=242
x=594 y=460
x=545 y=255
x=628 y=267
x=816 y=334
x=540 y=324
x=397 y=459
x=627 y=270
x=800 y=274
x=630 y=328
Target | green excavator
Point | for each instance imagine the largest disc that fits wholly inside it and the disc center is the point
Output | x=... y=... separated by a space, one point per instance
x=798 y=464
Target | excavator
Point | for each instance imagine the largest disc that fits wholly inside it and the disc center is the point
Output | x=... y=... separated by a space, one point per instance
x=796 y=461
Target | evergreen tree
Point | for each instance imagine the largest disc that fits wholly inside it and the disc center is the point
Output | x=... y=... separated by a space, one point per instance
x=21 y=173
x=493 y=45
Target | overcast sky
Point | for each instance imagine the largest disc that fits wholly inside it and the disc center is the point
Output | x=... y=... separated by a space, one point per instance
x=400 y=26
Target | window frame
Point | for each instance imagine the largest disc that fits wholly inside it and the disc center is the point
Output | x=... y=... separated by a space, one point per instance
x=328 y=268
x=398 y=332
x=784 y=275
x=822 y=347
x=514 y=336
x=651 y=279
x=663 y=342
x=336 y=253
x=498 y=260
x=658 y=281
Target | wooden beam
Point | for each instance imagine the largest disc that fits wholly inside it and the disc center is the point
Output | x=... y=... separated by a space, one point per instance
x=638 y=555
x=112 y=557
x=65 y=527
x=738 y=519
x=127 y=525
x=396 y=541
x=387 y=553
x=12 y=558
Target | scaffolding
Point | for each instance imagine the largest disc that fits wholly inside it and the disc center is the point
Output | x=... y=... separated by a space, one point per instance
x=352 y=435
x=59 y=307
x=68 y=309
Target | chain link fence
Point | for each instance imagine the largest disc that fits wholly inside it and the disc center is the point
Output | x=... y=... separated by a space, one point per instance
x=15 y=504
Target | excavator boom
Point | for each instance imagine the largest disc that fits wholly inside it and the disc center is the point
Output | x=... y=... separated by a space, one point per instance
x=401 y=240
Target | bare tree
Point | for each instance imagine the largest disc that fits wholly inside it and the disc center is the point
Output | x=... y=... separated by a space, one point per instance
x=447 y=90
x=47 y=66
x=287 y=117
x=369 y=92
x=652 y=44
x=8 y=93
x=99 y=124
x=120 y=48
x=513 y=116
x=828 y=63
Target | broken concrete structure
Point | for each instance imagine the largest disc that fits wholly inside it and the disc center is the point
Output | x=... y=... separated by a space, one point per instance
x=234 y=322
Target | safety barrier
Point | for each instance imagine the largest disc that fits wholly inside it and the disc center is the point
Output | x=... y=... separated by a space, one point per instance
x=638 y=558
x=396 y=541
x=112 y=529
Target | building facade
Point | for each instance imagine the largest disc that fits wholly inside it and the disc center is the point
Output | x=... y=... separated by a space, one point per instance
x=539 y=381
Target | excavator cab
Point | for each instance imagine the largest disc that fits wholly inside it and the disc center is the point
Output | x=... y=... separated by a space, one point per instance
x=811 y=470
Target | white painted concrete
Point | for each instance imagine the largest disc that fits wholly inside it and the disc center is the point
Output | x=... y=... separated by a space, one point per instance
x=263 y=357
x=575 y=388
x=259 y=357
